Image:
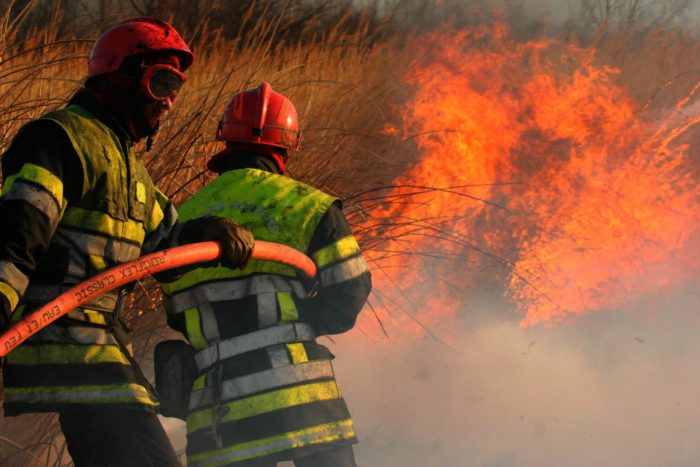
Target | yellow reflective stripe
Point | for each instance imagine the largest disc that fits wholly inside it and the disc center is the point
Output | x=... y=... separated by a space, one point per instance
x=46 y=354
x=155 y=218
x=97 y=262
x=117 y=393
x=199 y=382
x=40 y=176
x=343 y=248
x=161 y=199
x=9 y=293
x=193 y=326
x=264 y=403
x=95 y=317
x=298 y=352
x=202 y=275
x=140 y=192
x=319 y=434
x=100 y=222
x=288 y=309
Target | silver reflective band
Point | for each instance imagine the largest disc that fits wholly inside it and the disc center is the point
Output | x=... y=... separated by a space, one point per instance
x=210 y=328
x=77 y=396
x=41 y=199
x=231 y=290
x=278 y=355
x=40 y=294
x=111 y=249
x=267 y=309
x=341 y=272
x=266 y=380
x=294 y=332
x=82 y=335
x=168 y=228
x=13 y=276
x=336 y=431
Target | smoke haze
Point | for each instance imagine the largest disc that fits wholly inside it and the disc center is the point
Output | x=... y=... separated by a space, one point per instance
x=606 y=389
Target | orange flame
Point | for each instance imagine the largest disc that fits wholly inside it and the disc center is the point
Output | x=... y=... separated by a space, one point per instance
x=547 y=169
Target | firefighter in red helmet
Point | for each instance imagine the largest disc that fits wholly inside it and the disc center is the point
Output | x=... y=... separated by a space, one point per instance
x=75 y=201
x=264 y=389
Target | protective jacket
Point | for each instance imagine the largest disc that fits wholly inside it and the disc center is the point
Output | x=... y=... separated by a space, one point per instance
x=266 y=388
x=78 y=201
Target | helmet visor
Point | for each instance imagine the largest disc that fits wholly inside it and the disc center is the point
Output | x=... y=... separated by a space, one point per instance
x=161 y=81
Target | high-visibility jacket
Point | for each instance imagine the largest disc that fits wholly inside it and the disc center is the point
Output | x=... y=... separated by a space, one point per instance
x=265 y=387
x=119 y=214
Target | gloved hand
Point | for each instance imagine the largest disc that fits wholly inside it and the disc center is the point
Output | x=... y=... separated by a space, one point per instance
x=236 y=240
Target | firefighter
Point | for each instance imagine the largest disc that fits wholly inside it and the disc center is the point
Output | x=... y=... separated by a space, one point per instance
x=75 y=201
x=264 y=389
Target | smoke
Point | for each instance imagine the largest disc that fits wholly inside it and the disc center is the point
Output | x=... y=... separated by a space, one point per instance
x=606 y=389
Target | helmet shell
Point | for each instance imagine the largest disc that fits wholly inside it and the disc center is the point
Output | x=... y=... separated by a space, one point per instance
x=136 y=36
x=261 y=116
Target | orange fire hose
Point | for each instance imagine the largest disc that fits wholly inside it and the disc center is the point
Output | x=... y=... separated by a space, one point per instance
x=131 y=271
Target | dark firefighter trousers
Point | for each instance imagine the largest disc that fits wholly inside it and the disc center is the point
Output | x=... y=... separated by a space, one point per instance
x=107 y=437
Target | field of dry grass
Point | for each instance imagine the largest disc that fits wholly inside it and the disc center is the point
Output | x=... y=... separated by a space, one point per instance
x=347 y=86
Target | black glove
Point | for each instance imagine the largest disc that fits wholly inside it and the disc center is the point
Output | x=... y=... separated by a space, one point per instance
x=236 y=240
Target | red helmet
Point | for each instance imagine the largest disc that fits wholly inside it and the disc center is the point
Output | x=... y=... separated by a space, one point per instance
x=133 y=37
x=260 y=116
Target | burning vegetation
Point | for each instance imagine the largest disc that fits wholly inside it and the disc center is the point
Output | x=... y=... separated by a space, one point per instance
x=553 y=164
x=533 y=157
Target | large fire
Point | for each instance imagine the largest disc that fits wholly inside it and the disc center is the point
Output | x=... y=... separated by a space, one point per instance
x=551 y=180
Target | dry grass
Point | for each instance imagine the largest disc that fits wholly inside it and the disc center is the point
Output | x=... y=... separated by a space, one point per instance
x=347 y=88
x=341 y=86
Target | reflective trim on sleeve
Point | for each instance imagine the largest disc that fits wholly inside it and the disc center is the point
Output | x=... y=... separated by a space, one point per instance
x=95 y=317
x=263 y=381
x=167 y=228
x=47 y=354
x=210 y=327
x=193 y=328
x=11 y=275
x=267 y=309
x=97 y=262
x=141 y=192
x=288 y=309
x=200 y=382
x=155 y=218
x=94 y=394
x=319 y=434
x=78 y=335
x=221 y=274
x=264 y=403
x=161 y=198
x=40 y=198
x=297 y=352
x=39 y=175
x=230 y=290
x=344 y=271
x=10 y=294
x=278 y=356
x=114 y=250
x=102 y=223
x=42 y=293
x=284 y=334
x=343 y=248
